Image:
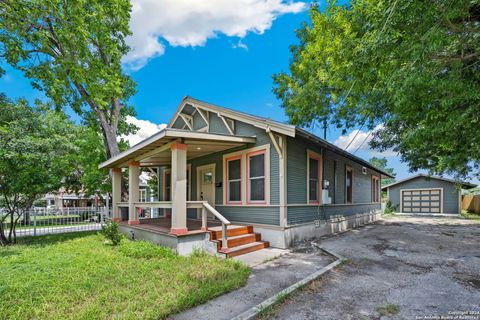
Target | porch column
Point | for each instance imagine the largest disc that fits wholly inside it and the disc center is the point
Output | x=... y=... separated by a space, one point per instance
x=179 y=188
x=133 y=184
x=116 y=193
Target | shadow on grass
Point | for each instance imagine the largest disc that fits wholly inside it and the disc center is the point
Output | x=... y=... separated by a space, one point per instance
x=50 y=239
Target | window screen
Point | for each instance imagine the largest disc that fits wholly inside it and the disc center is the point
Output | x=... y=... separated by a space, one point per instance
x=256 y=177
x=234 y=180
x=313 y=179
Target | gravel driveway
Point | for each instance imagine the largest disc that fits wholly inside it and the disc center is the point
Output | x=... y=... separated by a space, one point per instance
x=398 y=268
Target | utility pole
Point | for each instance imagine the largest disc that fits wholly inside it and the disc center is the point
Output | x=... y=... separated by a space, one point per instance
x=325 y=128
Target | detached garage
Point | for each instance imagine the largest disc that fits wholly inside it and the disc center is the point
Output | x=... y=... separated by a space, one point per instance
x=422 y=194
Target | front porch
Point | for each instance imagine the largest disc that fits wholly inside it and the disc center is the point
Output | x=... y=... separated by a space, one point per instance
x=172 y=149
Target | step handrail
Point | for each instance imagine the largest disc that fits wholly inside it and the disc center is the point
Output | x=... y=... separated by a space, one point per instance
x=217 y=214
x=223 y=220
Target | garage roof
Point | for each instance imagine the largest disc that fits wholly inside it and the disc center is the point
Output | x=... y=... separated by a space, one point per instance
x=464 y=184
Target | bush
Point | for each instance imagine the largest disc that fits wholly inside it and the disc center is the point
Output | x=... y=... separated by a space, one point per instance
x=110 y=232
x=389 y=208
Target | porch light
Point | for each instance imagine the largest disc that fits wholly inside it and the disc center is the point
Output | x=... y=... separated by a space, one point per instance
x=198 y=148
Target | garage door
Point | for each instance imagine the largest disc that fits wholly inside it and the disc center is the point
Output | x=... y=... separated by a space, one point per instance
x=421 y=201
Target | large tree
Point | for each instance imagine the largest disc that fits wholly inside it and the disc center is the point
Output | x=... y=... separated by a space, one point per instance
x=72 y=51
x=37 y=151
x=412 y=68
x=382 y=164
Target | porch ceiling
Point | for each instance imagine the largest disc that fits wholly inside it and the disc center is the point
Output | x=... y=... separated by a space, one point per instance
x=155 y=150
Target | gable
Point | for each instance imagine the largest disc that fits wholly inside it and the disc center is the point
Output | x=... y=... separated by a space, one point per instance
x=196 y=115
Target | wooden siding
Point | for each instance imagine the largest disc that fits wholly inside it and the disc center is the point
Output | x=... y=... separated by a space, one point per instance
x=297 y=184
x=305 y=214
x=450 y=192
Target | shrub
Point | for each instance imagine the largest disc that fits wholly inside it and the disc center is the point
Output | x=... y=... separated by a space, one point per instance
x=389 y=208
x=110 y=232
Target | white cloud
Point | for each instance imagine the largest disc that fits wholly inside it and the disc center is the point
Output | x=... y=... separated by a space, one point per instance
x=185 y=23
x=240 y=45
x=361 y=142
x=145 y=129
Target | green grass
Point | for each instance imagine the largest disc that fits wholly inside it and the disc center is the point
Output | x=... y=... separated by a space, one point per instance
x=268 y=311
x=470 y=215
x=77 y=276
x=388 y=309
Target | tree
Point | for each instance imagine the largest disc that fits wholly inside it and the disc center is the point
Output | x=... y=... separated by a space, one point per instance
x=412 y=67
x=72 y=51
x=382 y=164
x=37 y=151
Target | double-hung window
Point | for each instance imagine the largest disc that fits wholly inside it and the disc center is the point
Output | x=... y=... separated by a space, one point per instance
x=234 y=180
x=314 y=178
x=375 y=189
x=256 y=177
x=348 y=184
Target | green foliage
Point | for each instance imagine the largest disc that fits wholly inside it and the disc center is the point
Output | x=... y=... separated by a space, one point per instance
x=72 y=52
x=390 y=208
x=111 y=233
x=382 y=164
x=36 y=154
x=145 y=250
x=412 y=66
x=388 y=309
x=75 y=276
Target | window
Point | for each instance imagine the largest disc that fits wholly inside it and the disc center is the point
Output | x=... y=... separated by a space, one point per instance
x=167 y=196
x=246 y=177
x=143 y=195
x=234 y=180
x=256 y=176
x=375 y=189
x=167 y=190
x=349 y=184
x=314 y=177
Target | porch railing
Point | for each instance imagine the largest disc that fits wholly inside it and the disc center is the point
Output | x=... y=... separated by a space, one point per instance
x=203 y=205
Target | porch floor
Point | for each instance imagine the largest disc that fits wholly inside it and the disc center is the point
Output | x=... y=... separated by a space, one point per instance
x=163 y=225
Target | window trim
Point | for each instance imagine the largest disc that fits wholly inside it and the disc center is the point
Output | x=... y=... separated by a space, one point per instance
x=247 y=178
x=165 y=172
x=189 y=186
x=140 y=192
x=242 y=154
x=348 y=168
x=376 y=189
x=227 y=184
x=313 y=155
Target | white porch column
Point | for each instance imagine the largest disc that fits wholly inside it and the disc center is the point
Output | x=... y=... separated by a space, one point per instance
x=116 y=193
x=179 y=188
x=133 y=193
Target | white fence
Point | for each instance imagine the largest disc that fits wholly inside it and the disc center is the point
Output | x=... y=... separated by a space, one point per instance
x=40 y=221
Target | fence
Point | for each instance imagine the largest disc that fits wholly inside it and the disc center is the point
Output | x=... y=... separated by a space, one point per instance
x=40 y=221
x=471 y=203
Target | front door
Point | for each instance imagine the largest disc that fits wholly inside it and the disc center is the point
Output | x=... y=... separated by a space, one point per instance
x=206 y=185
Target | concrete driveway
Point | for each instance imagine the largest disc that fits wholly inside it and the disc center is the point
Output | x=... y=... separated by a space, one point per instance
x=398 y=268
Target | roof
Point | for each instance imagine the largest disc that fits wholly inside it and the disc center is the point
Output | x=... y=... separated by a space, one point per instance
x=254 y=120
x=464 y=184
x=142 y=151
x=287 y=129
x=340 y=151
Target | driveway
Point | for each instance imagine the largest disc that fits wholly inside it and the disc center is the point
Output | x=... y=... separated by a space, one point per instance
x=415 y=268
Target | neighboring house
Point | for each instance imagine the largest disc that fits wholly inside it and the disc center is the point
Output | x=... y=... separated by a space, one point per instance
x=423 y=194
x=268 y=181
x=63 y=199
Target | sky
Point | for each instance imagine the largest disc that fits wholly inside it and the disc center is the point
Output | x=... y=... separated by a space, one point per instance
x=222 y=52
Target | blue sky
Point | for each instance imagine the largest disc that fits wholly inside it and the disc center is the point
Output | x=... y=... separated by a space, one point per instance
x=228 y=60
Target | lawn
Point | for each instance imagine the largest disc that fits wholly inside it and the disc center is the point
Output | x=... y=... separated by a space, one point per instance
x=77 y=276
